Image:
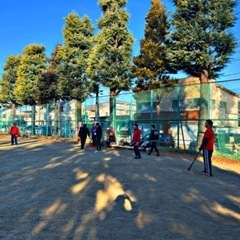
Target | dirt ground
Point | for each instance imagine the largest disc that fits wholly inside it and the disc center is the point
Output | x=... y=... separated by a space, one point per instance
x=52 y=190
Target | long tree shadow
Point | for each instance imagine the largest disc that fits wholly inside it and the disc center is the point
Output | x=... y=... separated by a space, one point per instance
x=54 y=191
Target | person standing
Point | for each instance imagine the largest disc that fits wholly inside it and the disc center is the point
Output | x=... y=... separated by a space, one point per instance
x=93 y=134
x=154 y=136
x=98 y=138
x=136 y=140
x=82 y=134
x=207 y=148
x=14 y=132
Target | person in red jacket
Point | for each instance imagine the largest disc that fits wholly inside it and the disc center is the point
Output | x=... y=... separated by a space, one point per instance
x=207 y=148
x=14 y=131
x=136 y=140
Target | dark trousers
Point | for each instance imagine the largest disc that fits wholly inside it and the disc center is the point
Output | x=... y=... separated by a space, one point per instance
x=207 y=159
x=14 y=139
x=154 y=146
x=83 y=141
x=94 y=141
x=98 y=144
x=136 y=150
x=110 y=139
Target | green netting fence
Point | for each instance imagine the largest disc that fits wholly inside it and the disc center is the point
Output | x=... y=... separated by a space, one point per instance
x=175 y=111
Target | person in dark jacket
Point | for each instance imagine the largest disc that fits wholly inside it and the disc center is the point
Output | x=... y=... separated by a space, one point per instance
x=93 y=134
x=154 y=136
x=98 y=138
x=82 y=134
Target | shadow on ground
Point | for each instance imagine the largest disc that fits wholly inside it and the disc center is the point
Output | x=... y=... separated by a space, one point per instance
x=52 y=190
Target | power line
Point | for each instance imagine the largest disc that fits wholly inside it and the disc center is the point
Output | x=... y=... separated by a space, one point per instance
x=228 y=80
x=231 y=74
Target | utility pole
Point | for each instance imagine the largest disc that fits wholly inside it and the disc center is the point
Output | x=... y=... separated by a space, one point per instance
x=97 y=102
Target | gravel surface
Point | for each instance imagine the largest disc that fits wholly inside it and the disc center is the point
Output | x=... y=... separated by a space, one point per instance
x=53 y=190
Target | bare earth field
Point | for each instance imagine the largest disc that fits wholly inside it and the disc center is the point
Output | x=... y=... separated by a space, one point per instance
x=51 y=190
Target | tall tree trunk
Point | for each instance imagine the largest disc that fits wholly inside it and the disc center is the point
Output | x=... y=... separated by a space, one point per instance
x=13 y=113
x=33 y=119
x=78 y=113
x=47 y=119
x=204 y=104
x=55 y=119
x=97 y=104
x=112 y=110
x=59 y=123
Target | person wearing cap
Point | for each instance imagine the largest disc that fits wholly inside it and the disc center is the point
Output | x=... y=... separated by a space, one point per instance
x=154 y=136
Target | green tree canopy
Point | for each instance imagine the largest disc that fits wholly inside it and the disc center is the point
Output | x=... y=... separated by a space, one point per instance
x=47 y=86
x=8 y=82
x=202 y=40
x=110 y=60
x=202 y=43
x=32 y=66
x=72 y=58
x=151 y=66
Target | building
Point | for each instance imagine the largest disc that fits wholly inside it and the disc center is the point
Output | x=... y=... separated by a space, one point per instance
x=176 y=110
x=122 y=109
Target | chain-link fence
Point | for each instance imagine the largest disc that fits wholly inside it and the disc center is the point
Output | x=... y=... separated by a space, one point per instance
x=176 y=112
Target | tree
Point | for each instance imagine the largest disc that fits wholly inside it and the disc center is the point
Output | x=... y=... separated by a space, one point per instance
x=151 y=66
x=8 y=83
x=72 y=59
x=32 y=66
x=110 y=60
x=46 y=89
x=202 y=42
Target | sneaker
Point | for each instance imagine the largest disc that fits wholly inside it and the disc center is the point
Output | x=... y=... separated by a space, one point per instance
x=203 y=173
x=158 y=154
x=208 y=175
x=96 y=151
x=149 y=154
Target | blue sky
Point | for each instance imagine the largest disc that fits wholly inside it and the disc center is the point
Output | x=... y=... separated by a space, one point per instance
x=39 y=21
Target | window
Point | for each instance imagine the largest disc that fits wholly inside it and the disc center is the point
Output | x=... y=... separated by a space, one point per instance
x=223 y=106
x=175 y=105
x=213 y=102
x=191 y=103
